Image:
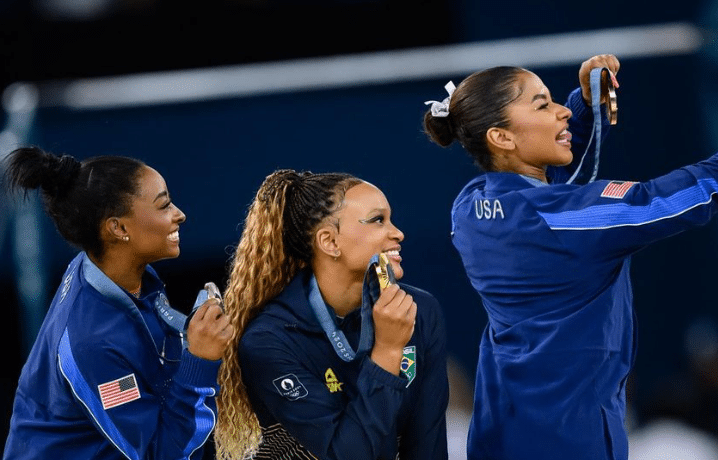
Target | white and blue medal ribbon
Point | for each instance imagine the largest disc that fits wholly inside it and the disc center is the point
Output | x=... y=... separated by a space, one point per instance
x=595 y=82
x=370 y=294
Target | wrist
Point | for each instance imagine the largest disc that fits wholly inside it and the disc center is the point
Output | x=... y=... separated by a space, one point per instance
x=388 y=358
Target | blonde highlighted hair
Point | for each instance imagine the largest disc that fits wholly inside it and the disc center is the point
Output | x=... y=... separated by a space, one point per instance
x=276 y=242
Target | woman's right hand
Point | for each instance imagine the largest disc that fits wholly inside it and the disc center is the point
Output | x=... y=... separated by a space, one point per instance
x=584 y=73
x=394 y=319
x=209 y=332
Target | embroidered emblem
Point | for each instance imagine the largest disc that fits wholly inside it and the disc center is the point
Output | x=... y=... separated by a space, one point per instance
x=333 y=384
x=408 y=364
x=118 y=392
x=617 y=189
x=290 y=387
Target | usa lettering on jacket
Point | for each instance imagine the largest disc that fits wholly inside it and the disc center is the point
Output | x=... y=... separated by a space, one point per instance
x=488 y=209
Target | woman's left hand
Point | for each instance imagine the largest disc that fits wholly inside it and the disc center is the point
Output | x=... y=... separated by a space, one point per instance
x=584 y=73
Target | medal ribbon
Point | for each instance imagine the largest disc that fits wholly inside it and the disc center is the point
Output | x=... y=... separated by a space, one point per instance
x=370 y=294
x=595 y=81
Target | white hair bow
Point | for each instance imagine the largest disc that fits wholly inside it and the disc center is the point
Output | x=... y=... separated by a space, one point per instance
x=441 y=109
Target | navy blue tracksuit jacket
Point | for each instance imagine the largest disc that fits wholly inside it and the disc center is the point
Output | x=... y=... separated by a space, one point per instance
x=551 y=264
x=308 y=399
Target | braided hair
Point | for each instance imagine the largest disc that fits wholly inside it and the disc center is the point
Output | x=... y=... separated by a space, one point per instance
x=277 y=241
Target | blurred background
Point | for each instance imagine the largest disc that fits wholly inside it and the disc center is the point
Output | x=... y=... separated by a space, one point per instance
x=217 y=94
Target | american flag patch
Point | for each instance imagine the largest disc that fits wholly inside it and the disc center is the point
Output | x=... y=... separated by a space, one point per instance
x=118 y=392
x=617 y=189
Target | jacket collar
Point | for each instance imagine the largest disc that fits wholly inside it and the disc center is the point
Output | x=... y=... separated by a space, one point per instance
x=292 y=304
x=502 y=182
x=293 y=308
x=105 y=286
x=116 y=296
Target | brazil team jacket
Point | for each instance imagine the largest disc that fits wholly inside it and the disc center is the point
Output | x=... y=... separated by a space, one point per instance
x=308 y=399
x=551 y=264
x=107 y=380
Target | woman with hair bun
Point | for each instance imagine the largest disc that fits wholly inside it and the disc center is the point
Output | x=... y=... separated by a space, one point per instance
x=550 y=259
x=114 y=373
x=320 y=367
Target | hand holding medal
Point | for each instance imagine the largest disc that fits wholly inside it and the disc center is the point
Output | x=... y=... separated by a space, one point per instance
x=609 y=66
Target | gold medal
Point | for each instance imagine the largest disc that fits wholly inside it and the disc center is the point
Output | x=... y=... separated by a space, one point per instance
x=384 y=272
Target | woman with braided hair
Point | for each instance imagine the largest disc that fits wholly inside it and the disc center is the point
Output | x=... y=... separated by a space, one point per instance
x=115 y=372
x=316 y=369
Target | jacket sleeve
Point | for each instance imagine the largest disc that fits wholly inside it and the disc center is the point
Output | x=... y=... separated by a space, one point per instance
x=144 y=413
x=583 y=146
x=325 y=425
x=616 y=218
x=424 y=437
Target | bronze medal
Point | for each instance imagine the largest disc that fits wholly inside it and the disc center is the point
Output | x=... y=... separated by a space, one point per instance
x=611 y=101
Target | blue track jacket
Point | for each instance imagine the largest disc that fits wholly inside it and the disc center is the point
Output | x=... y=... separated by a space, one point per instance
x=106 y=379
x=551 y=264
x=306 y=397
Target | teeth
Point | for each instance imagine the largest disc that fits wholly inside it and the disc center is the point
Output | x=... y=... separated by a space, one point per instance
x=174 y=236
x=392 y=253
x=564 y=136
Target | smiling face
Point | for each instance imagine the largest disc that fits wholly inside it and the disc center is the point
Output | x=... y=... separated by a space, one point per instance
x=153 y=223
x=539 y=127
x=365 y=229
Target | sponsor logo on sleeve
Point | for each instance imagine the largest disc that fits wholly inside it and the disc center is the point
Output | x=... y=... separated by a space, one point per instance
x=617 y=189
x=290 y=387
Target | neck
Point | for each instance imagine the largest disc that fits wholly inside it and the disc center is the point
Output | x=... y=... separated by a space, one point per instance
x=121 y=270
x=507 y=162
x=340 y=290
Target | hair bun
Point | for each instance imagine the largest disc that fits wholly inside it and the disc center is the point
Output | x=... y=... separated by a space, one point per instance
x=439 y=129
x=69 y=166
x=61 y=174
x=32 y=168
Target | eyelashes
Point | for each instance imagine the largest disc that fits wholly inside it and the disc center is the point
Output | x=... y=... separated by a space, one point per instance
x=372 y=220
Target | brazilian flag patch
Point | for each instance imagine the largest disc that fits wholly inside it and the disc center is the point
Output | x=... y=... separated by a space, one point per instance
x=408 y=364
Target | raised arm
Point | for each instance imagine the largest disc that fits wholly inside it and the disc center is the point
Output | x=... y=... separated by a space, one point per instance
x=583 y=145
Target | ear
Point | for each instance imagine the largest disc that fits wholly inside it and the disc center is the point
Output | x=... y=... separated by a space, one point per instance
x=326 y=241
x=500 y=138
x=115 y=229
